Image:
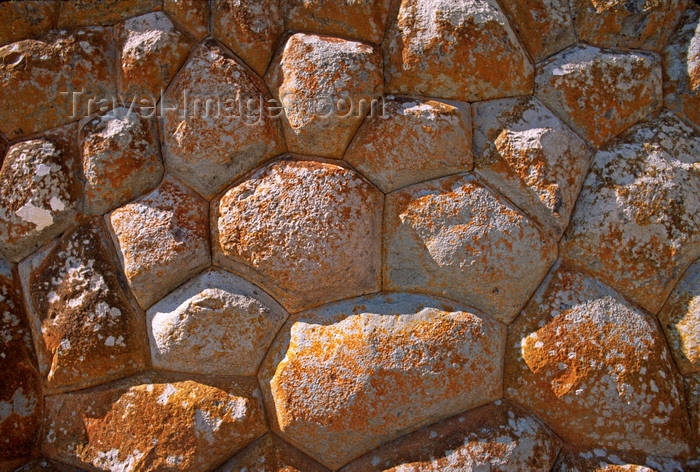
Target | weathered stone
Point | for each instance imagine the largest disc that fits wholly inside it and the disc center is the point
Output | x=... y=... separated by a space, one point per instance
x=27 y=19
x=362 y=20
x=154 y=423
x=39 y=191
x=191 y=16
x=327 y=86
x=47 y=83
x=496 y=437
x=306 y=231
x=458 y=50
x=692 y=394
x=214 y=134
x=120 y=159
x=636 y=226
x=600 y=460
x=46 y=465
x=456 y=238
x=412 y=140
x=349 y=376
x=162 y=239
x=102 y=12
x=217 y=323
x=596 y=369
x=271 y=454
x=600 y=93
x=530 y=156
x=251 y=29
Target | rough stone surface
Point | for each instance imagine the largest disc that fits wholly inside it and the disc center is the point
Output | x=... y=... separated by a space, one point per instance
x=213 y=136
x=217 y=323
x=102 y=12
x=596 y=369
x=600 y=460
x=191 y=16
x=327 y=86
x=412 y=140
x=692 y=394
x=530 y=156
x=33 y=73
x=456 y=238
x=308 y=232
x=39 y=191
x=271 y=454
x=46 y=465
x=496 y=437
x=154 y=423
x=457 y=50
x=344 y=378
x=22 y=20
x=636 y=226
x=600 y=93
x=162 y=240
x=120 y=159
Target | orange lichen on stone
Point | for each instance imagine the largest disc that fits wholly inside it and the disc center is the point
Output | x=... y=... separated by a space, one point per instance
x=102 y=12
x=191 y=16
x=600 y=460
x=271 y=454
x=26 y=19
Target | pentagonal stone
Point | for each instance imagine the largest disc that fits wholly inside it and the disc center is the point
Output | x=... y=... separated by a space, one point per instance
x=309 y=232
x=162 y=239
x=51 y=80
x=459 y=50
x=412 y=140
x=600 y=460
x=120 y=159
x=216 y=323
x=102 y=12
x=250 y=29
x=493 y=437
x=327 y=86
x=191 y=16
x=455 y=237
x=154 y=422
x=39 y=191
x=636 y=226
x=600 y=93
x=596 y=369
x=530 y=156
x=211 y=132
x=271 y=454
x=46 y=465
x=22 y=20
x=349 y=376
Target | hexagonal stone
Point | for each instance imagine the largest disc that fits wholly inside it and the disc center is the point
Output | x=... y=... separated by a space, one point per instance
x=102 y=12
x=154 y=422
x=271 y=454
x=51 y=80
x=496 y=436
x=327 y=86
x=531 y=157
x=346 y=377
x=600 y=460
x=120 y=159
x=162 y=240
x=210 y=134
x=596 y=369
x=40 y=191
x=412 y=140
x=458 y=50
x=191 y=16
x=455 y=237
x=22 y=20
x=46 y=465
x=306 y=231
x=600 y=93
x=636 y=226
x=217 y=323
x=251 y=29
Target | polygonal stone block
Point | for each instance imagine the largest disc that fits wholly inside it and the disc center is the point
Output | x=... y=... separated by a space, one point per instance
x=346 y=377
x=306 y=231
x=271 y=454
x=455 y=237
x=578 y=460
x=191 y=16
x=26 y=19
x=103 y=12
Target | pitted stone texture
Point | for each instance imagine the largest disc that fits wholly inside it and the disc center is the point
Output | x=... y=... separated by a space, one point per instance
x=531 y=157
x=600 y=460
x=346 y=377
x=692 y=394
x=251 y=29
x=143 y=42
x=456 y=238
x=457 y=50
x=40 y=192
x=46 y=465
x=600 y=93
x=596 y=369
x=362 y=20
x=26 y=19
x=33 y=73
x=306 y=231
x=327 y=86
x=412 y=140
x=120 y=159
x=191 y=16
x=209 y=146
x=162 y=239
x=496 y=437
x=271 y=454
x=636 y=226
x=103 y=12
x=217 y=323
x=151 y=423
